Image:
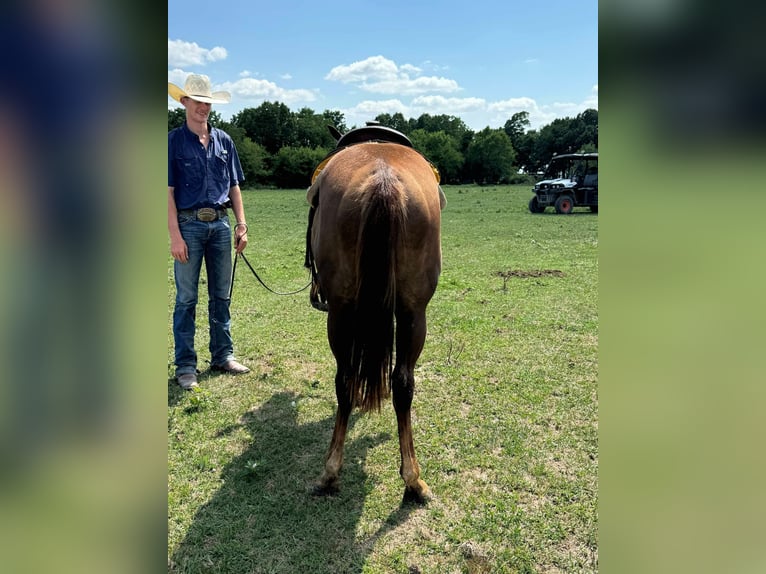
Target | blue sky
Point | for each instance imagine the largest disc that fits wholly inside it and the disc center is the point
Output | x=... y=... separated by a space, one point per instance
x=478 y=60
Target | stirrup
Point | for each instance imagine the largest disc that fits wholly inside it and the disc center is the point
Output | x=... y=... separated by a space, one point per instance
x=316 y=299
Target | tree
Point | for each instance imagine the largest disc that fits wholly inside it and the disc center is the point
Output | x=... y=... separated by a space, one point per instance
x=567 y=135
x=294 y=166
x=556 y=138
x=460 y=154
x=311 y=130
x=516 y=128
x=176 y=118
x=271 y=124
x=335 y=118
x=525 y=152
x=450 y=125
x=395 y=121
x=441 y=150
x=255 y=162
x=490 y=157
x=589 y=121
x=253 y=157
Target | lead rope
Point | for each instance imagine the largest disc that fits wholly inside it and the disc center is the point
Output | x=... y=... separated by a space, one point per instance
x=234 y=270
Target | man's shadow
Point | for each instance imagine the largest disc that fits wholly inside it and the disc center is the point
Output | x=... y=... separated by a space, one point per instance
x=264 y=517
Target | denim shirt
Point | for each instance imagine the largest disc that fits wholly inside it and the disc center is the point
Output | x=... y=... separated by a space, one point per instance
x=202 y=177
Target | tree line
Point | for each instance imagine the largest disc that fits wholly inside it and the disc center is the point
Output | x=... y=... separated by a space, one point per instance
x=280 y=148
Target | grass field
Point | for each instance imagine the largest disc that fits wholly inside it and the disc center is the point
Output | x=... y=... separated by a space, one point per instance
x=505 y=411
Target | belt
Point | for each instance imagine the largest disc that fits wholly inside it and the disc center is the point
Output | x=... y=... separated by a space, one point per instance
x=204 y=213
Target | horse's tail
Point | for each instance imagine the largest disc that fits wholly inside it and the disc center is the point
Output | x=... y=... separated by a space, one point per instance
x=381 y=225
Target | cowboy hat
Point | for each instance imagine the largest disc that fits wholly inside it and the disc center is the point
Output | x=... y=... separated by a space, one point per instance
x=198 y=88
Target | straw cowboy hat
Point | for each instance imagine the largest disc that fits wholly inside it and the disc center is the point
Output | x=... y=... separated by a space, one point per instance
x=198 y=88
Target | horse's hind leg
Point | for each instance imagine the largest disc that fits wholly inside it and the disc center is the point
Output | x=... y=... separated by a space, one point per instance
x=328 y=481
x=410 y=336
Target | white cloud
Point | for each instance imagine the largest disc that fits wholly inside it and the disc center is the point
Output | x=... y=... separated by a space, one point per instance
x=592 y=100
x=177 y=76
x=380 y=75
x=286 y=77
x=181 y=53
x=513 y=105
x=378 y=107
x=409 y=69
x=254 y=90
x=539 y=115
x=503 y=110
x=374 y=67
x=367 y=110
x=216 y=54
x=409 y=87
x=435 y=67
x=437 y=105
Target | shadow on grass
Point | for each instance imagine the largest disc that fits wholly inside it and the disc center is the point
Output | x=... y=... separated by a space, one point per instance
x=548 y=213
x=263 y=518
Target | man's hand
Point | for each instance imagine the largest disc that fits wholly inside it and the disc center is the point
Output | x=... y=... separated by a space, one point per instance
x=240 y=237
x=178 y=249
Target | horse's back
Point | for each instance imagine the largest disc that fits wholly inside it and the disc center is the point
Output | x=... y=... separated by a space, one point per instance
x=357 y=177
x=351 y=174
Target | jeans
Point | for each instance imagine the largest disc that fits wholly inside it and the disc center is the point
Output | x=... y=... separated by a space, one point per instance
x=210 y=241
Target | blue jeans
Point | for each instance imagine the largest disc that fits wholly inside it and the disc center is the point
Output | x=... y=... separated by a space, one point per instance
x=211 y=242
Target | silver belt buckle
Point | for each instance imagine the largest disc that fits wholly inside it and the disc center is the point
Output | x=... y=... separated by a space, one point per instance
x=207 y=214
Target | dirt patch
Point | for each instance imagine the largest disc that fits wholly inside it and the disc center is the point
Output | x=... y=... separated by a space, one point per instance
x=526 y=274
x=530 y=273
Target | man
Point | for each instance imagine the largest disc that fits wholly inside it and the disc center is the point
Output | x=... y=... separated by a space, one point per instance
x=203 y=178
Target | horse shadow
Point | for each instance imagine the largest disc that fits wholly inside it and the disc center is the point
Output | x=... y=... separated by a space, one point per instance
x=264 y=517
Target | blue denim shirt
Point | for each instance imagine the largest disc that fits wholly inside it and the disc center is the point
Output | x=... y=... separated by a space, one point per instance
x=202 y=177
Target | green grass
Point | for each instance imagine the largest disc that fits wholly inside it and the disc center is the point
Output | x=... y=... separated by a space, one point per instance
x=505 y=411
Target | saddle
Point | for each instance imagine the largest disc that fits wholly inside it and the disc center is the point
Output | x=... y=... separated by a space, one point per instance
x=372 y=131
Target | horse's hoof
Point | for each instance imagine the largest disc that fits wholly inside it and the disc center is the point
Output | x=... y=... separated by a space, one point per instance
x=421 y=496
x=320 y=489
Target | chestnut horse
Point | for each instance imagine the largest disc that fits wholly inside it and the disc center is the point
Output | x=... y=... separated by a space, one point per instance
x=376 y=244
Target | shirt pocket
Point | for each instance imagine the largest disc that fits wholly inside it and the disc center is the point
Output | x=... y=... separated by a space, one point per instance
x=191 y=173
x=220 y=168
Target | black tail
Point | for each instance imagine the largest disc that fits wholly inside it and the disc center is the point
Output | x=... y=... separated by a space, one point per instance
x=373 y=338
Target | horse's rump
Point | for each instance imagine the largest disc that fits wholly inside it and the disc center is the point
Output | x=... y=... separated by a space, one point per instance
x=378 y=215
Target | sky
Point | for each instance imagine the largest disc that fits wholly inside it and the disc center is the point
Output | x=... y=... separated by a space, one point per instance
x=480 y=60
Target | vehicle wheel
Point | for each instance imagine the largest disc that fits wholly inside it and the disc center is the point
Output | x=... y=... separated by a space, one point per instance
x=564 y=204
x=594 y=208
x=534 y=205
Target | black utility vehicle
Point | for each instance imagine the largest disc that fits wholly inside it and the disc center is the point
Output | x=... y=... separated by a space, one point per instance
x=570 y=180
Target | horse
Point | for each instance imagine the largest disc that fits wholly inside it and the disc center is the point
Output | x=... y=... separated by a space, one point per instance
x=375 y=239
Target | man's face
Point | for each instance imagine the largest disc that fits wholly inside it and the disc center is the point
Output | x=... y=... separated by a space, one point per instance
x=196 y=111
